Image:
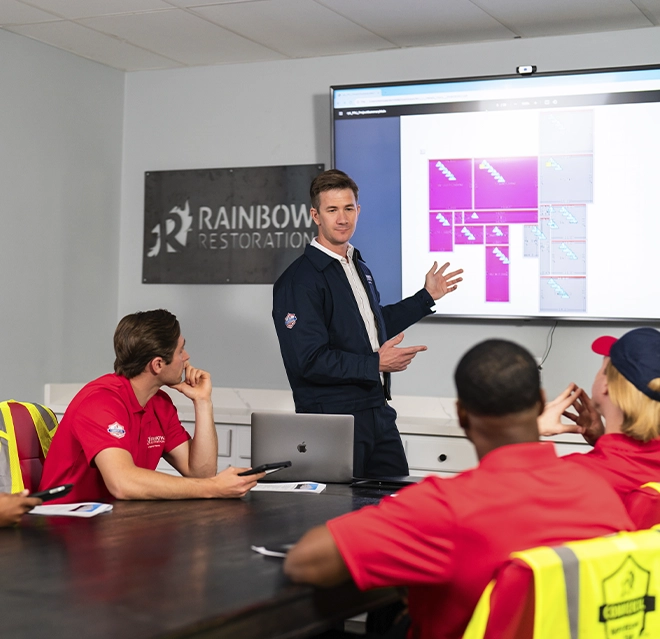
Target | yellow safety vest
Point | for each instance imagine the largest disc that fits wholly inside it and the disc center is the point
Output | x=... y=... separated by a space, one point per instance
x=45 y=424
x=602 y=588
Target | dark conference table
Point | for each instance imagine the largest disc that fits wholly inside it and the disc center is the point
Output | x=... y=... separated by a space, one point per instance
x=173 y=569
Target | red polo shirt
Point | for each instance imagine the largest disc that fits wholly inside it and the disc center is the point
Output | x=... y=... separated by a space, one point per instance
x=445 y=538
x=106 y=414
x=625 y=463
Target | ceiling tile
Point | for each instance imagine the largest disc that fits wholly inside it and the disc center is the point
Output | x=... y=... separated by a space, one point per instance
x=13 y=12
x=94 y=46
x=560 y=17
x=182 y=36
x=73 y=9
x=145 y=34
x=419 y=22
x=297 y=28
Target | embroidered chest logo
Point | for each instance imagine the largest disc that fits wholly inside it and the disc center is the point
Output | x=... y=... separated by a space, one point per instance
x=626 y=593
x=117 y=430
x=155 y=441
x=290 y=320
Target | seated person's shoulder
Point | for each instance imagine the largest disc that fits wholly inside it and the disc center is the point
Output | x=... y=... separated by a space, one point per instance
x=104 y=386
x=108 y=393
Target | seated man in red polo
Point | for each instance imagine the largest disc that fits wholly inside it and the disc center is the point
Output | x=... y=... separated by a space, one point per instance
x=622 y=417
x=446 y=538
x=118 y=427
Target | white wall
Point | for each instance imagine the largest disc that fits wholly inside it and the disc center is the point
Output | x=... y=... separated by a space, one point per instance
x=60 y=161
x=279 y=113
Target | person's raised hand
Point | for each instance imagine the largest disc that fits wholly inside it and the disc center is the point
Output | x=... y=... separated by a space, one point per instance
x=196 y=385
x=588 y=419
x=438 y=284
x=549 y=421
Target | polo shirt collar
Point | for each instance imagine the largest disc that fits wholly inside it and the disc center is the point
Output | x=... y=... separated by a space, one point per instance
x=620 y=441
x=517 y=457
x=130 y=394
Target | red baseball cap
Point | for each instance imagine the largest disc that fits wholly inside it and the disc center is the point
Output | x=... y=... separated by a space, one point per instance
x=602 y=345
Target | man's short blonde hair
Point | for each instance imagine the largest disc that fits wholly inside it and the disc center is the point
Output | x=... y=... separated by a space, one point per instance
x=641 y=414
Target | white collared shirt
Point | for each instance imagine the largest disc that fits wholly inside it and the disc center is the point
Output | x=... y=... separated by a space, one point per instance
x=358 y=291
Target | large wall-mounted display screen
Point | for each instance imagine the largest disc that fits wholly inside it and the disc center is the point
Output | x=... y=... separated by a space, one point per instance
x=545 y=188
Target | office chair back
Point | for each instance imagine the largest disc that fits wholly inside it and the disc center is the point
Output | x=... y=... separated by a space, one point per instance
x=603 y=587
x=643 y=505
x=26 y=430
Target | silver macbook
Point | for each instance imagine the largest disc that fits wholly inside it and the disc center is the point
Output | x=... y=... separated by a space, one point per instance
x=320 y=447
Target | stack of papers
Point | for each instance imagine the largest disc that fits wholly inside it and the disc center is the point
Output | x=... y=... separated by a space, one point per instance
x=81 y=509
x=291 y=487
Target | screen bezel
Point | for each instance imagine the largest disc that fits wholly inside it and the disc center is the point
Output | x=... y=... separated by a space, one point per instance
x=513 y=77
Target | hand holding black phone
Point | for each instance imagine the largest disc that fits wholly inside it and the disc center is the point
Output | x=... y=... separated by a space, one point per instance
x=266 y=468
x=52 y=493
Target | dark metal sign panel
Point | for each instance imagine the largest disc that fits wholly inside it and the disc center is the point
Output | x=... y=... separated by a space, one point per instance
x=218 y=226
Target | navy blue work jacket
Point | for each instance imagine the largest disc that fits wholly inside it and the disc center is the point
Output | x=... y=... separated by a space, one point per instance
x=327 y=355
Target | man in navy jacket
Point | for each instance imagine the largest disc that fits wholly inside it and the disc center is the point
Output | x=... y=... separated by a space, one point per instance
x=338 y=344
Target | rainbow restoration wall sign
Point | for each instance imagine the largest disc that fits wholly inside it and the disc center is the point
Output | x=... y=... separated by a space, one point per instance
x=220 y=226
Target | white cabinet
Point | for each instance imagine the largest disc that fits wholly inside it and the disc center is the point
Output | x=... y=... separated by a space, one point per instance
x=233 y=446
x=442 y=455
x=432 y=438
x=445 y=455
x=244 y=436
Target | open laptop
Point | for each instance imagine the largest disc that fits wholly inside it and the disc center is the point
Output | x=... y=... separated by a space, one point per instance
x=320 y=447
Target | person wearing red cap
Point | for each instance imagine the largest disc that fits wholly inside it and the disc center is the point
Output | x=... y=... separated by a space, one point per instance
x=621 y=419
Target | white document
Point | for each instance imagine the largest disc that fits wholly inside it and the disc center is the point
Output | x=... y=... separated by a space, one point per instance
x=81 y=509
x=290 y=487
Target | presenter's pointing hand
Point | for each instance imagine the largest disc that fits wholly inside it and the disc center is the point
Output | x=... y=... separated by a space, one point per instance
x=394 y=358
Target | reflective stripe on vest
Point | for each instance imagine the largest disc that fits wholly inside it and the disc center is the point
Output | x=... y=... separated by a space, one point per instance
x=9 y=450
x=652 y=484
x=605 y=587
x=45 y=424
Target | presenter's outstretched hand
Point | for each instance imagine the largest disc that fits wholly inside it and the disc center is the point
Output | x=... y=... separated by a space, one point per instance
x=438 y=284
x=13 y=507
x=196 y=384
x=394 y=358
x=228 y=484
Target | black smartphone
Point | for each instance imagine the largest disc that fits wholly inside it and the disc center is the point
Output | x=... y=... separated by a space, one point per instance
x=53 y=493
x=266 y=468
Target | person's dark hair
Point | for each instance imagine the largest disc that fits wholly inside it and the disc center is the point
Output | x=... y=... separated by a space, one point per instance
x=329 y=181
x=497 y=377
x=141 y=336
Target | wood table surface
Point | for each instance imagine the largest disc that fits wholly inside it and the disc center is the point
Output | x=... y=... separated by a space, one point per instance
x=173 y=569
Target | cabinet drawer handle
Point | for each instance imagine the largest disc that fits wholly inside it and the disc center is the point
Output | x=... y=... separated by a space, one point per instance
x=442 y=457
